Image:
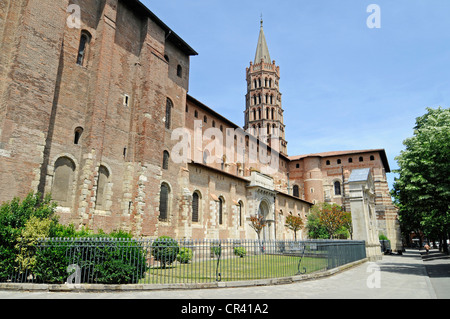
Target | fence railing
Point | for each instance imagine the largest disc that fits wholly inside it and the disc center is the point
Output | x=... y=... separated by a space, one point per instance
x=145 y=261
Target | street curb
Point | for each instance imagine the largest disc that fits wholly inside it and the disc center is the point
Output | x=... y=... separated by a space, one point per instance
x=29 y=287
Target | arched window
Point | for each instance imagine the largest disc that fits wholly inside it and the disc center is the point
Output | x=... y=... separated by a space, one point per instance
x=254 y=114
x=296 y=191
x=102 y=182
x=270 y=83
x=271 y=99
x=195 y=207
x=169 y=106
x=166 y=157
x=350 y=160
x=372 y=158
x=241 y=213
x=328 y=162
x=78 y=133
x=361 y=159
x=164 y=202
x=179 y=71
x=337 y=188
x=259 y=85
x=63 y=181
x=221 y=201
x=85 y=38
x=259 y=114
x=273 y=114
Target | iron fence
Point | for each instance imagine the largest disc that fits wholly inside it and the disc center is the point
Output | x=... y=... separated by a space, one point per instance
x=149 y=261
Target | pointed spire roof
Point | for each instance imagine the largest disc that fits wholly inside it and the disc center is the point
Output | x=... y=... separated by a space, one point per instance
x=262 y=51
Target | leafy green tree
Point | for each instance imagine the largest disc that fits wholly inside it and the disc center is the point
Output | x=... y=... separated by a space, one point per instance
x=327 y=220
x=315 y=229
x=422 y=188
x=165 y=249
x=294 y=223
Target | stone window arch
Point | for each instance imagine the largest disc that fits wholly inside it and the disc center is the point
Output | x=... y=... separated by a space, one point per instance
x=166 y=157
x=241 y=213
x=196 y=206
x=296 y=191
x=63 y=181
x=77 y=135
x=85 y=39
x=169 y=106
x=221 y=208
x=102 y=184
x=337 y=188
x=164 y=202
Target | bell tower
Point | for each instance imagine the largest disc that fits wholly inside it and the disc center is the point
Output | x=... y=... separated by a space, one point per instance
x=263 y=111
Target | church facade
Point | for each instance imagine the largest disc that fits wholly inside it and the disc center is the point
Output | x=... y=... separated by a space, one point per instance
x=98 y=114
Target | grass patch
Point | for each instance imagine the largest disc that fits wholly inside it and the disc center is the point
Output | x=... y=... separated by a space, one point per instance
x=234 y=269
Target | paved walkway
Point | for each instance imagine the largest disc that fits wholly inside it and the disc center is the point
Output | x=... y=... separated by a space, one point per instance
x=407 y=276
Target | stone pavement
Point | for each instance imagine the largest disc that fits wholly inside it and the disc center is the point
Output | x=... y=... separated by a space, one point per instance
x=437 y=265
x=394 y=277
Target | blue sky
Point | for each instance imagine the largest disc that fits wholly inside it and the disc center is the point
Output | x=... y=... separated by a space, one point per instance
x=345 y=86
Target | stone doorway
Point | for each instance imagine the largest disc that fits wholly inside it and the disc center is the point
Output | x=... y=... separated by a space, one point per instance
x=264 y=210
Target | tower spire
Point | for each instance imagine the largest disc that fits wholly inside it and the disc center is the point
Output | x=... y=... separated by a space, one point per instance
x=262 y=50
x=263 y=111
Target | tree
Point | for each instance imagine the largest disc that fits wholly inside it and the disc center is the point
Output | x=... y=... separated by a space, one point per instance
x=422 y=188
x=294 y=223
x=258 y=222
x=331 y=217
x=348 y=223
x=315 y=228
x=165 y=249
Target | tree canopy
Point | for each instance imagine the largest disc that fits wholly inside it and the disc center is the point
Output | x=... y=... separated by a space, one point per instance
x=329 y=221
x=422 y=189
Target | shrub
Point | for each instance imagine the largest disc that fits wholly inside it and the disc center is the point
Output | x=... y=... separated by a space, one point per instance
x=216 y=250
x=185 y=255
x=105 y=260
x=240 y=251
x=165 y=250
x=14 y=216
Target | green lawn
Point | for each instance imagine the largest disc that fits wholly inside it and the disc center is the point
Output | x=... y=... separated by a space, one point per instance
x=235 y=268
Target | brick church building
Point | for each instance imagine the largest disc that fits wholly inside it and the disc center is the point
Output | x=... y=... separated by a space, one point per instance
x=99 y=115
